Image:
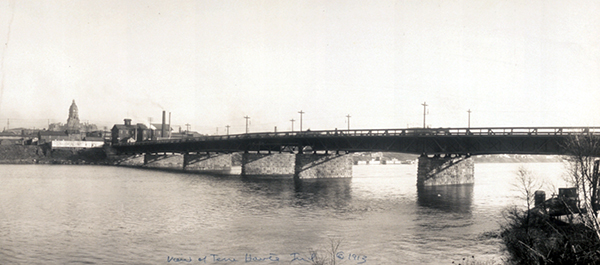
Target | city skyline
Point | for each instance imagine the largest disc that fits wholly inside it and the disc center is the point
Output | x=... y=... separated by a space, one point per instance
x=210 y=64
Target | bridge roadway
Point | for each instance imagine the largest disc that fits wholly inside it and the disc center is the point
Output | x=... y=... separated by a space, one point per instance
x=430 y=141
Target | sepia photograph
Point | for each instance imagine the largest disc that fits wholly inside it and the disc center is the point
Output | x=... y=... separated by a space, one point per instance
x=299 y=132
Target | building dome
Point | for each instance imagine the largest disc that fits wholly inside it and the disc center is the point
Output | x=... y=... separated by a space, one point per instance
x=73 y=125
x=73 y=111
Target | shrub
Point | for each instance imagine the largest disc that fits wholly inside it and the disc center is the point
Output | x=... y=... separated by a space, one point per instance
x=540 y=239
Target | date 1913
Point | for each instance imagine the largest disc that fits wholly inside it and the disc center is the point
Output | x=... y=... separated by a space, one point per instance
x=352 y=257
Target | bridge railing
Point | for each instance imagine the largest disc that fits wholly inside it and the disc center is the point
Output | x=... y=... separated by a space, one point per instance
x=493 y=131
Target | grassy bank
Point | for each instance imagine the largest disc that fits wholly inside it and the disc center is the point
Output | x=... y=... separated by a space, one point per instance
x=21 y=154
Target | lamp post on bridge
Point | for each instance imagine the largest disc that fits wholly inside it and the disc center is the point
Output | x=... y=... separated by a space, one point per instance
x=348 y=116
x=301 y=112
x=469 y=124
x=292 y=120
x=424 y=113
x=227 y=129
x=247 y=118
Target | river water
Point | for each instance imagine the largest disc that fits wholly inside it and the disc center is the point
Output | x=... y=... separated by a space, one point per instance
x=55 y=214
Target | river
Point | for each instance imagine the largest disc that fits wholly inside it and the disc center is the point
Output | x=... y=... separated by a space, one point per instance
x=56 y=214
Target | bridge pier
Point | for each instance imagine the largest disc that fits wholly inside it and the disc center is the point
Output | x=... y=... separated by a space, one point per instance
x=310 y=166
x=273 y=164
x=206 y=162
x=438 y=171
x=128 y=160
x=302 y=166
x=166 y=161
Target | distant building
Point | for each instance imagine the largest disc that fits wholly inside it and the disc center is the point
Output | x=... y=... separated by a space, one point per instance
x=6 y=139
x=185 y=135
x=73 y=125
x=56 y=127
x=157 y=129
x=20 y=131
x=19 y=136
x=45 y=137
x=127 y=132
x=94 y=136
x=65 y=144
x=86 y=127
x=73 y=130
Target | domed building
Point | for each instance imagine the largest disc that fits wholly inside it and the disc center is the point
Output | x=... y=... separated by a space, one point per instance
x=73 y=130
x=73 y=126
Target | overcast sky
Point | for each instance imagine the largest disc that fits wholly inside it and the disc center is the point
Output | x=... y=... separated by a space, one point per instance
x=210 y=63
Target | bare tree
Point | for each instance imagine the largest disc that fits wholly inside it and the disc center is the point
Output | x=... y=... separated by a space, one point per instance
x=527 y=183
x=583 y=154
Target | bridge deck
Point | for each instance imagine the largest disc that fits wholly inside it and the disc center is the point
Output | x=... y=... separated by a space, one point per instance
x=497 y=140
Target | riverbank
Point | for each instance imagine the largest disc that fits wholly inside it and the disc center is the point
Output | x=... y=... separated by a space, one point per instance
x=41 y=154
x=540 y=239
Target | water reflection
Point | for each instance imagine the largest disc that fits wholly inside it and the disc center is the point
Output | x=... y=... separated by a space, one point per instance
x=267 y=185
x=448 y=198
x=332 y=193
x=319 y=193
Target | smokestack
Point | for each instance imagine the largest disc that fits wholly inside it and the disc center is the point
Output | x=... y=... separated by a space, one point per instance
x=169 y=125
x=162 y=130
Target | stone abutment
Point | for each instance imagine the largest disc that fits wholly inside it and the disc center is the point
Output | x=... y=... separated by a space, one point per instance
x=274 y=164
x=437 y=171
x=302 y=166
x=310 y=166
x=207 y=162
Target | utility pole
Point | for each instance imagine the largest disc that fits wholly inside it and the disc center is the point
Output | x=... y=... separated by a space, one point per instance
x=187 y=127
x=151 y=130
x=348 y=116
x=292 y=120
x=469 y=124
x=247 y=118
x=424 y=113
x=227 y=129
x=301 y=112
